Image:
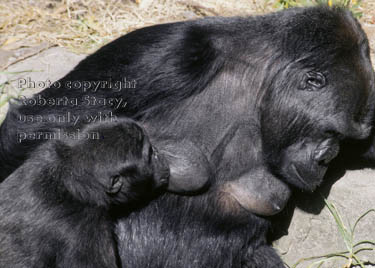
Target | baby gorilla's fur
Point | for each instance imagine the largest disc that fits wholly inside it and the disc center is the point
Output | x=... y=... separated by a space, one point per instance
x=56 y=208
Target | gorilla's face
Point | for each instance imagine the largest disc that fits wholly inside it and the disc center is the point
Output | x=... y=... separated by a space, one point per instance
x=305 y=163
x=315 y=103
x=140 y=169
x=122 y=161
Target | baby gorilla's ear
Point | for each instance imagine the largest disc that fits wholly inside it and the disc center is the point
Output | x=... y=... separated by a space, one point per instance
x=115 y=184
x=63 y=150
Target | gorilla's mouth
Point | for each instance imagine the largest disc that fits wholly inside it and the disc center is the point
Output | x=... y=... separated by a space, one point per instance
x=298 y=176
x=310 y=179
x=310 y=163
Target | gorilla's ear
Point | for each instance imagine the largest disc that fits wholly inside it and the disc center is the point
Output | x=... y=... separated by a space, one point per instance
x=115 y=184
x=62 y=149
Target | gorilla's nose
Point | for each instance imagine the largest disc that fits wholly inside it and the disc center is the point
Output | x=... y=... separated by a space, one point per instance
x=326 y=151
x=360 y=130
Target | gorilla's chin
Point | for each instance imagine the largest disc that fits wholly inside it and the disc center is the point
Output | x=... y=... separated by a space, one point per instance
x=305 y=163
x=306 y=179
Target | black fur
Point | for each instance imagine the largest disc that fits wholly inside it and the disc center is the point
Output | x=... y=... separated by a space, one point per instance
x=56 y=208
x=300 y=81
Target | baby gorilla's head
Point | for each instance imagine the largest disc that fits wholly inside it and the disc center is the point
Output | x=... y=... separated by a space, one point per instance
x=113 y=164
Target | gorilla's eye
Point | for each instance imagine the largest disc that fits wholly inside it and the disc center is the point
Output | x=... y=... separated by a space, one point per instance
x=150 y=153
x=115 y=184
x=313 y=81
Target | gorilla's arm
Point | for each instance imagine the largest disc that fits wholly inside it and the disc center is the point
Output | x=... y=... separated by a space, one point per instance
x=263 y=256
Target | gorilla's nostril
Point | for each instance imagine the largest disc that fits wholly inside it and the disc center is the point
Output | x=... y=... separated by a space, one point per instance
x=326 y=151
x=164 y=181
x=323 y=156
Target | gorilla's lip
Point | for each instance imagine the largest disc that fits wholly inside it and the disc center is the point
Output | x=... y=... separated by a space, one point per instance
x=299 y=177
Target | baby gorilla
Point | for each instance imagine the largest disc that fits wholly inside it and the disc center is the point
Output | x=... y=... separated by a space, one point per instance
x=56 y=208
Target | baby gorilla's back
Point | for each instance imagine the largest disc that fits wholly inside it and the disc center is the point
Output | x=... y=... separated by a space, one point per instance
x=56 y=207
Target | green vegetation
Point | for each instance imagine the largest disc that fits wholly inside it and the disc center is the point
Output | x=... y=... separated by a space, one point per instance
x=352 y=5
x=353 y=247
x=7 y=89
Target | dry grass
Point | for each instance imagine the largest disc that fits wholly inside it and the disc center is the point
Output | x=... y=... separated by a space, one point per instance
x=85 y=25
x=368 y=9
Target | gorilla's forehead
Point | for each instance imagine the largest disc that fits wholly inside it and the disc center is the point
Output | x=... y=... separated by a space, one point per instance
x=318 y=31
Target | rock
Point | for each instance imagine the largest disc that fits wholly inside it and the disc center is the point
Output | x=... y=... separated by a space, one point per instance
x=34 y=73
x=370 y=31
x=314 y=235
x=5 y=55
x=49 y=65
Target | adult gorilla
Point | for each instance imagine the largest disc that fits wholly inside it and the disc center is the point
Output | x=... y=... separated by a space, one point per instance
x=260 y=97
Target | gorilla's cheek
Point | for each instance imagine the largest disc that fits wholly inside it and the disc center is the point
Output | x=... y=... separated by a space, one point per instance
x=305 y=163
